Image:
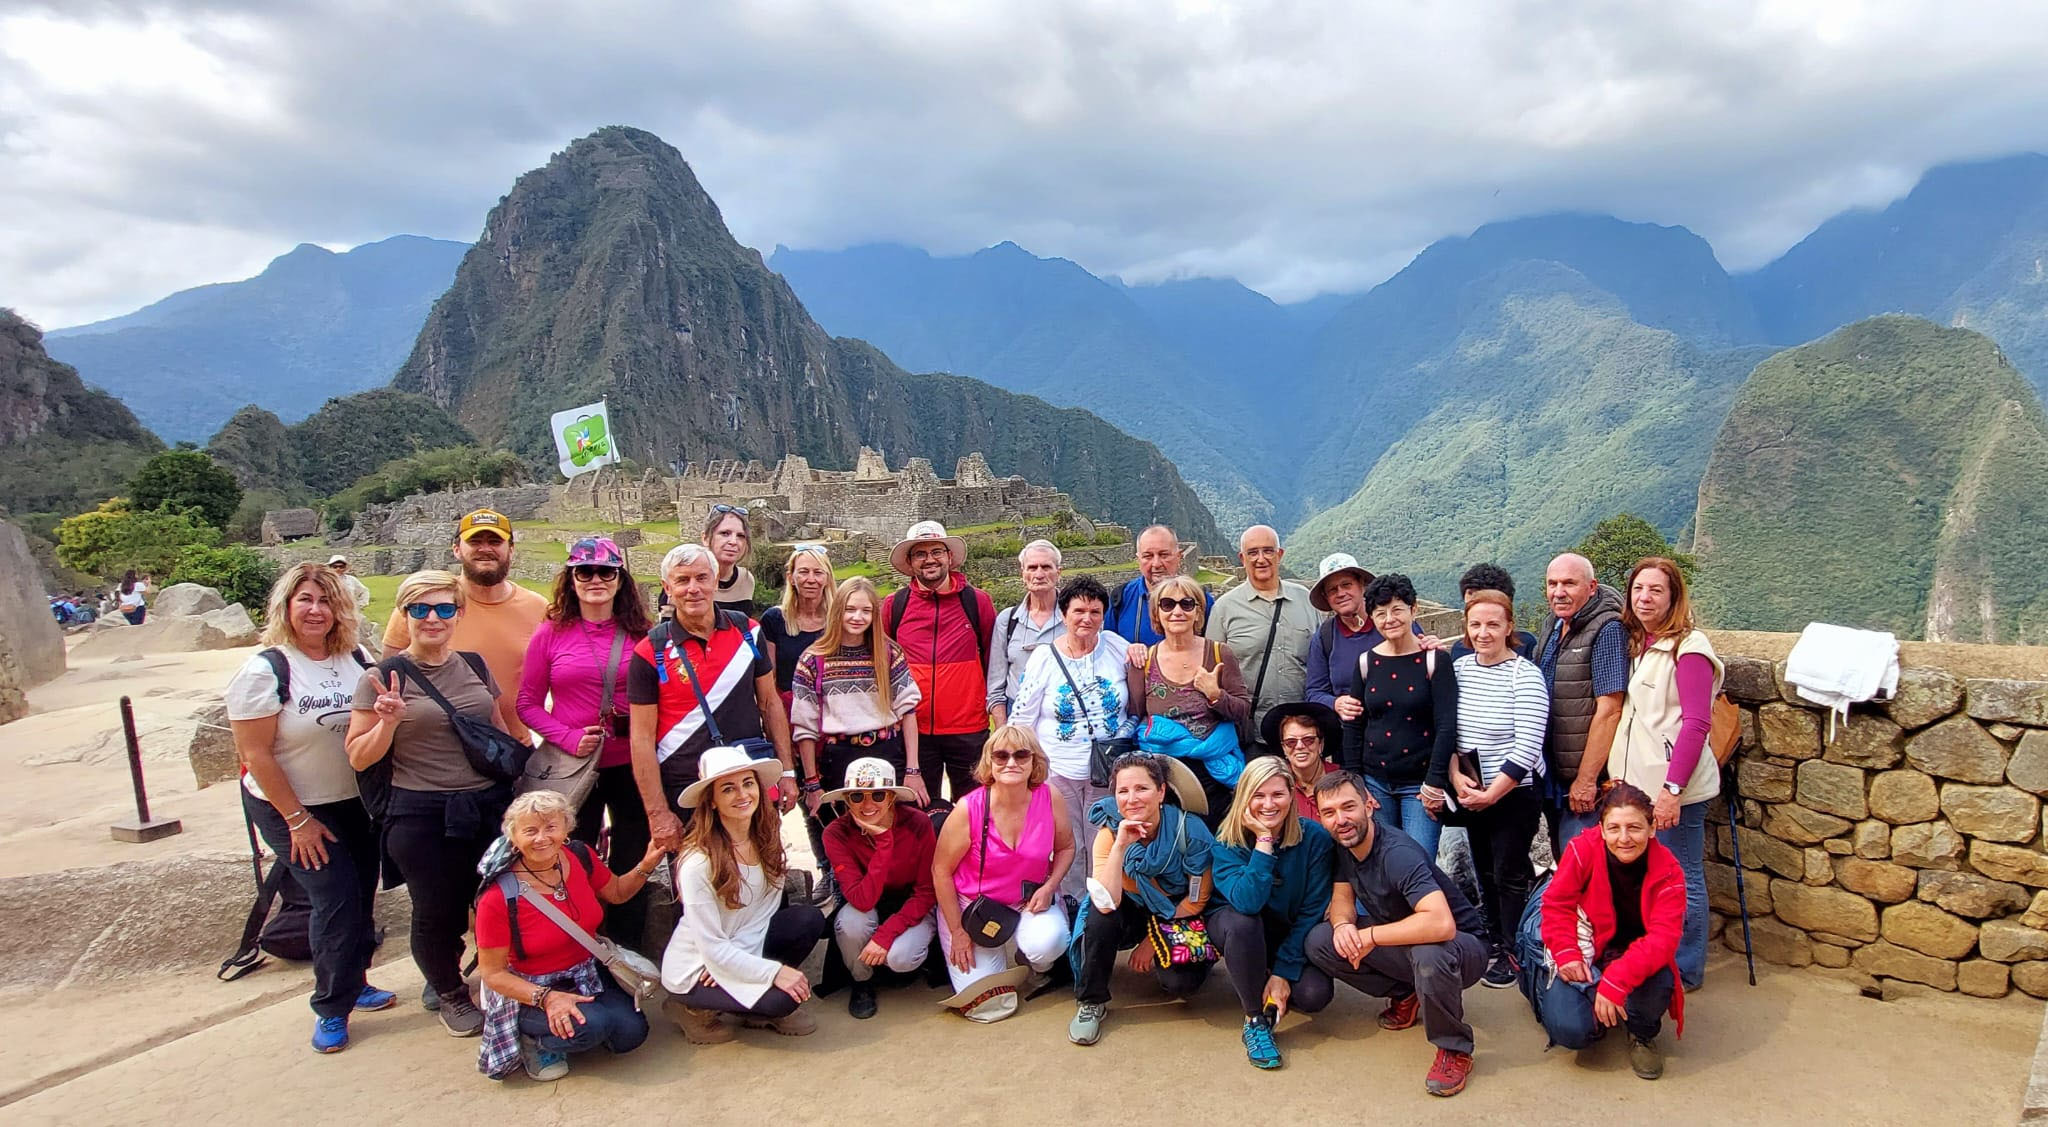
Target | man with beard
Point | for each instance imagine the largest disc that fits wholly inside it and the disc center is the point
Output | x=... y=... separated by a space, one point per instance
x=1399 y=929
x=499 y=617
x=944 y=625
x=1266 y=621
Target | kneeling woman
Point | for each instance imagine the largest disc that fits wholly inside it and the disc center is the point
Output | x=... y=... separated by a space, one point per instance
x=1151 y=862
x=881 y=853
x=1629 y=890
x=544 y=995
x=736 y=948
x=1273 y=870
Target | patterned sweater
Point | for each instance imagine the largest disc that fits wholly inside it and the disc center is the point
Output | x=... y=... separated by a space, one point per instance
x=836 y=695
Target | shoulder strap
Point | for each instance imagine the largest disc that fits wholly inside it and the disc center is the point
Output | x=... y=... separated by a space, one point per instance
x=899 y=605
x=581 y=851
x=605 y=708
x=1327 y=634
x=1266 y=659
x=282 y=667
x=412 y=672
x=590 y=943
x=508 y=887
x=249 y=955
x=362 y=657
x=1010 y=625
x=476 y=665
x=689 y=669
x=970 y=603
x=1080 y=701
x=740 y=625
x=1429 y=663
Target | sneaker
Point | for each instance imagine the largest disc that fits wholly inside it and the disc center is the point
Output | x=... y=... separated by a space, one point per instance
x=1447 y=1076
x=429 y=1000
x=699 y=1027
x=460 y=1015
x=541 y=1064
x=1400 y=1013
x=1502 y=972
x=1645 y=1058
x=861 y=1003
x=1258 y=1042
x=797 y=1023
x=374 y=999
x=330 y=1034
x=1086 y=1028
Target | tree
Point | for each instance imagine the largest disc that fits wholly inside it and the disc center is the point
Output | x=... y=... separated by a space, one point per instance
x=1615 y=544
x=114 y=538
x=241 y=574
x=186 y=479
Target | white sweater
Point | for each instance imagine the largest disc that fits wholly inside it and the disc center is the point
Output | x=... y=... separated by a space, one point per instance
x=724 y=941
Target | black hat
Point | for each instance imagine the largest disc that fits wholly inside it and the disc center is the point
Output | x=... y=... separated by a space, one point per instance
x=1323 y=715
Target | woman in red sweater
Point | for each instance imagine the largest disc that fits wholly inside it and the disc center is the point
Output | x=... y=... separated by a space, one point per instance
x=881 y=854
x=1612 y=917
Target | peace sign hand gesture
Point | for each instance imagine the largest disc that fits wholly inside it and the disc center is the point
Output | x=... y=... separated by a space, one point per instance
x=390 y=700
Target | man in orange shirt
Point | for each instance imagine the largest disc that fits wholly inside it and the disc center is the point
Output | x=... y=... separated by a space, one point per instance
x=500 y=616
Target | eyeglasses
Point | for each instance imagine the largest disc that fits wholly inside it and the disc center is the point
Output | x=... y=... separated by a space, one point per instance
x=1021 y=755
x=1183 y=604
x=600 y=572
x=1301 y=741
x=736 y=510
x=419 y=611
x=868 y=795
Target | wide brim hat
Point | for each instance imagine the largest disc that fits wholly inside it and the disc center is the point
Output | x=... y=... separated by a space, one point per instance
x=718 y=762
x=1187 y=787
x=1012 y=977
x=1325 y=718
x=1334 y=564
x=925 y=532
x=336 y=558
x=870 y=773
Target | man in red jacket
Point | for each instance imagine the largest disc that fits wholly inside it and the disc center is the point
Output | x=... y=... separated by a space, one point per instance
x=943 y=624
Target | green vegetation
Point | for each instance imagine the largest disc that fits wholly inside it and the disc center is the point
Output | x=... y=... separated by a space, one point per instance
x=115 y=537
x=1617 y=543
x=69 y=447
x=186 y=479
x=384 y=593
x=456 y=467
x=241 y=575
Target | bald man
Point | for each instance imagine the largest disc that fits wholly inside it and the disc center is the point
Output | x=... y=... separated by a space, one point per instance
x=1267 y=622
x=1582 y=650
x=1130 y=612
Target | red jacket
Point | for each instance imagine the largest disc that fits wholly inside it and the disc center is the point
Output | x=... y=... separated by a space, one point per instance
x=898 y=861
x=948 y=656
x=1580 y=888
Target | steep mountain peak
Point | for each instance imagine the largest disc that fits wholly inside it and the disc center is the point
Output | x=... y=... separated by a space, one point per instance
x=63 y=446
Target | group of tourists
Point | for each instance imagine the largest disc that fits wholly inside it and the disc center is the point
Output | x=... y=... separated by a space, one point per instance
x=1007 y=799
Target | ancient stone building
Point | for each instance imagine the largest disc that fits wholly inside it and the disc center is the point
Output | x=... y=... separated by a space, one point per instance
x=280 y=525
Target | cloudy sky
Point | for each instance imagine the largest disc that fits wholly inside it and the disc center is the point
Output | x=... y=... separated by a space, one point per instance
x=1302 y=147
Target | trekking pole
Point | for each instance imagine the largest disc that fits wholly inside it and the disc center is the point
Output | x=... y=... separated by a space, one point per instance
x=143 y=828
x=1734 y=797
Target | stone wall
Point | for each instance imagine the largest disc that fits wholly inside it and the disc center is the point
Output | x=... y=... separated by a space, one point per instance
x=428 y=519
x=1910 y=847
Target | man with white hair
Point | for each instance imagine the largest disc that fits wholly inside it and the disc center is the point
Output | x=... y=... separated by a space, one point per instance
x=1024 y=627
x=1266 y=621
x=1582 y=650
x=1130 y=612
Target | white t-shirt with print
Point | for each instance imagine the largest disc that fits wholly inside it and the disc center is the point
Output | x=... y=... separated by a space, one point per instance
x=311 y=726
x=1045 y=702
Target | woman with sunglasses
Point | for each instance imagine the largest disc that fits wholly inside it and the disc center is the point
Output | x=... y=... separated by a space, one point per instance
x=1008 y=840
x=881 y=854
x=1187 y=692
x=853 y=697
x=593 y=619
x=727 y=535
x=442 y=813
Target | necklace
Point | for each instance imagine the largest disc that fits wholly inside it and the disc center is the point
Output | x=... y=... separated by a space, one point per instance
x=559 y=891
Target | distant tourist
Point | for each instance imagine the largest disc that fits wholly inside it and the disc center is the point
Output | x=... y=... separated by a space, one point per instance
x=854 y=699
x=727 y=535
x=1503 y=708
x=443 y=813
x=1024 y=627
x=943 y=623
x=1490 y=577
x=1273 y=870
x=1130 y=615
x=1008 y=841
x=1188 y=695
x=1308 y=736
x=545 y=996
x=736 y=949
x=1151 y=865
x=881 y=854
x=1662 y=745
x=1398 y=929
x=133 y=598
x=1582 y=650
x=498 y=615
x=584 y=647
x=792 y=625
x=289 y=708
x=1406 y=729
x=358 y=593
x=1612 y=918
x=1075 y=693
x=1266 y=621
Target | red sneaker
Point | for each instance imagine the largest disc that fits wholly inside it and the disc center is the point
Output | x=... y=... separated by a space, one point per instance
x=1447 y=1075
x=1400 y=1013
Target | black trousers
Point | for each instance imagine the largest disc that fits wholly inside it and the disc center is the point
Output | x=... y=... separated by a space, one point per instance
x=1107 y=933
x=1247 y=943
x=436 y=840
x=617 y=797
x=792 y=932
x=957 y=755
x=343 y=892
x=1500 y=836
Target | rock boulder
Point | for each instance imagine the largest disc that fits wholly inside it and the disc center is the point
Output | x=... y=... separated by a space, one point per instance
x=185 y=599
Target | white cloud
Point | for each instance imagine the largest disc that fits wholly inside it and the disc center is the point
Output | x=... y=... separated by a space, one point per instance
x=1298 y=146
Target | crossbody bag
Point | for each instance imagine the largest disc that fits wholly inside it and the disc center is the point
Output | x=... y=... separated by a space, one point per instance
x=556 y=768
x=1101 y=752
x=1181 y=940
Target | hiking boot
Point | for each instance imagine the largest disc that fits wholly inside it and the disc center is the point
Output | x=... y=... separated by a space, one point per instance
x=374 y=999
x=1447 y=1076
x=862 y=1002
x=429 y=1001
x=1086 y=1028
x=797 y=1023
x=330 y=1034
x=1502 y=972
x=699 y=1027
x=1258 y=1042
x=1645 y=1058
x=540 y=1064
x=1400 y=1013
x=460 y=1015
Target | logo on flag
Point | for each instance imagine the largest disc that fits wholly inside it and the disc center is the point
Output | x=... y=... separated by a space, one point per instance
x=583 y=438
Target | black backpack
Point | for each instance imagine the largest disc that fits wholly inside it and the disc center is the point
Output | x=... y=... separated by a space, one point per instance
x=899 y=605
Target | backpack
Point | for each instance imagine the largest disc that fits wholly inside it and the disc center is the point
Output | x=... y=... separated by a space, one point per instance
x=282 y=668
x=1532 y=958
x=899 y=605
x=373 y=783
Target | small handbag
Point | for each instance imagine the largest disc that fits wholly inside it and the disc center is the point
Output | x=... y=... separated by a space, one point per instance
x=556 y=768
x=1102 y=753
x=492 y=752
x=1181 y=940
x=989 y=922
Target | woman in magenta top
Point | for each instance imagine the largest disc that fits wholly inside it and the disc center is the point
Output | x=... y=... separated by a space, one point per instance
x=1008 y=839
x=596 y=613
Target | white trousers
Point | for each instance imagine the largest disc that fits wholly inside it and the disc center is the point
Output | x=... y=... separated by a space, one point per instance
x=1041 y=938
x=853 y=928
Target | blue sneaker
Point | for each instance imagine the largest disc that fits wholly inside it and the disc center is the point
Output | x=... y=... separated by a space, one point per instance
x=1258 y=1042
x=540 y=1064
x=374 y=999
x=330 y=1034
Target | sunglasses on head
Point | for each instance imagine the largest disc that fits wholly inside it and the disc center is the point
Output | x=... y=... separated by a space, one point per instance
x=1183 y=604
x=868 y=795
x=418 y=611
x=1020 y=755
x=736 y=510
x=595 y=571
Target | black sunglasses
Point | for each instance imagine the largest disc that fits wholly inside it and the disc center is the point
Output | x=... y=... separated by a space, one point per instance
x=868 y=795
x=1184 y=604
x=1021 y=755
x=595 y=571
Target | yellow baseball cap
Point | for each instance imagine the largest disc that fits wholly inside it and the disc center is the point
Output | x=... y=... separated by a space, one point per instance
x=483 y=520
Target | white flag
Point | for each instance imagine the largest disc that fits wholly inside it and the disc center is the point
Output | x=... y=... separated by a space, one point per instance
x=583 y=438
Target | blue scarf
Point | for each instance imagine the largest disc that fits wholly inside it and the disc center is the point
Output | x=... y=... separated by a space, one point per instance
x=1162 y=873
x=1219 y=751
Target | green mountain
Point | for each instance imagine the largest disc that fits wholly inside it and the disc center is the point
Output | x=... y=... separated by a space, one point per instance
x=313 y=325
x=64 y=447
x=328 y=450
x=1892 y=476
x=609 y=273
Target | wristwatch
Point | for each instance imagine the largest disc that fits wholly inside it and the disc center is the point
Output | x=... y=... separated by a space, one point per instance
x=1673 y=789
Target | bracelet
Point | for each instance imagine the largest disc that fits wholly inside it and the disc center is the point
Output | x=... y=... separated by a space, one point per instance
x=909 y=771
x=810 y=779
x=1267 y=840
x=789 y=772
x=303 y=815
x=540 y=995
x=811 y=787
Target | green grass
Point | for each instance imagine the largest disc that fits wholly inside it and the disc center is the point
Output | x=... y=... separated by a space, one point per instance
x=853 y=569
x=997 y=526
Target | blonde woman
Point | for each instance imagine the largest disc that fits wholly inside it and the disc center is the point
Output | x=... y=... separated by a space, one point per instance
x=1187 y=692
x=289 y=708
x=790 y=627
x=852 y=697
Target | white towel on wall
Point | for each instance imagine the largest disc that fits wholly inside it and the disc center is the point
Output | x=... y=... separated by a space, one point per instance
x=1836 y=666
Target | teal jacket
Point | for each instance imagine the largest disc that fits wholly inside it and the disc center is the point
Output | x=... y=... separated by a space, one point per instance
x=1293 y=883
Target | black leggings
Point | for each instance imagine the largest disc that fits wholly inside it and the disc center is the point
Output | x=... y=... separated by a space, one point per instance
x=618 y=795
x=440 y=874
x=1248 y=943
x=1501 y=835
x=1106 y=933
x=792 y=932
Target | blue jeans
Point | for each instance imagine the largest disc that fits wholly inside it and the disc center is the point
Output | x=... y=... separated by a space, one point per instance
x=1566 y=1010
x=1566 y=824
x=1688 y=842
x=1401 y=807
x=608 y=1019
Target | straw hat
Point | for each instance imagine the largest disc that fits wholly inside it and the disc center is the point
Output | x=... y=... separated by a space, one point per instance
x=870 y=773
x=718 y=762
x=923 y=532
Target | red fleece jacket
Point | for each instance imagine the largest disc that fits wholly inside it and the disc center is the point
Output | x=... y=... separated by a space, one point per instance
x=1580 y=886
x=948 y=657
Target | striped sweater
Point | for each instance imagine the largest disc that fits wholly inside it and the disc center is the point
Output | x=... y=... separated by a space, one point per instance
x=836 y=695
x=1502 y=713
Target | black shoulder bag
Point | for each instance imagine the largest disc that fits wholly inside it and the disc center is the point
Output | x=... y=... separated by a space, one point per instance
x=989 y=922
x=1101 y=752
x=492 y=752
